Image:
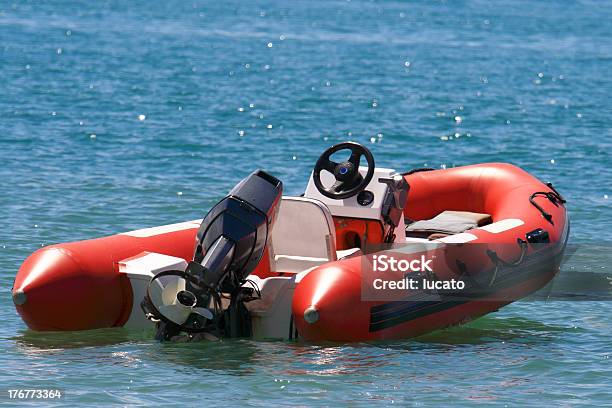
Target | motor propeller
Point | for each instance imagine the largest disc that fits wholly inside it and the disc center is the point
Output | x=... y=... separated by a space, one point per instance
x=178 y=303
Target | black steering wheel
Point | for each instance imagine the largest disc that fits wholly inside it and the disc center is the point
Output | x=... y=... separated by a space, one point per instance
x=349 y=181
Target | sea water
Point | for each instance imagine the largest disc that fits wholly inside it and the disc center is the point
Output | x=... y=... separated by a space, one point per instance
x=119 y=115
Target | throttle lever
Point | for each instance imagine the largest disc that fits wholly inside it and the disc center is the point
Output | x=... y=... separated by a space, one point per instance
x=395 y=199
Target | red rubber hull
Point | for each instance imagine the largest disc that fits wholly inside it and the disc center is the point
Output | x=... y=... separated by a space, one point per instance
x=77 y=286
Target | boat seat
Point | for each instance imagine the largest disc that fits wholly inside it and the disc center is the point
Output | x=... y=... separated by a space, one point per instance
x=303 y=235
x=447 y=223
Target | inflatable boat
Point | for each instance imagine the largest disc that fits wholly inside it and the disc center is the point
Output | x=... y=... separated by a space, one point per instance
x=366 y=253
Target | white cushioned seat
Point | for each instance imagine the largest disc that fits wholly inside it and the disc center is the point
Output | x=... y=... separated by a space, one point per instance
x=303 y=235
x=447 y=222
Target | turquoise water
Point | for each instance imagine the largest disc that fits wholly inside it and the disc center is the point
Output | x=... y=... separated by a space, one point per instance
x=226 y=87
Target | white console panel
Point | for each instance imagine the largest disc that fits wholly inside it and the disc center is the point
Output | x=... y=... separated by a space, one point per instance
x=349 y=207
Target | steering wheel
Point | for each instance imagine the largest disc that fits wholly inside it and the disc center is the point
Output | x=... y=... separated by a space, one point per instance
x=349 y=181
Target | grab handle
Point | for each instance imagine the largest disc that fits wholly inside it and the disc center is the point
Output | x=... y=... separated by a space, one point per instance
x=553 y=196
x=498 y=261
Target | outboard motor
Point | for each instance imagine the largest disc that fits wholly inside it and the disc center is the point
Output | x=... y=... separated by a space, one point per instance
x=229 y=244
